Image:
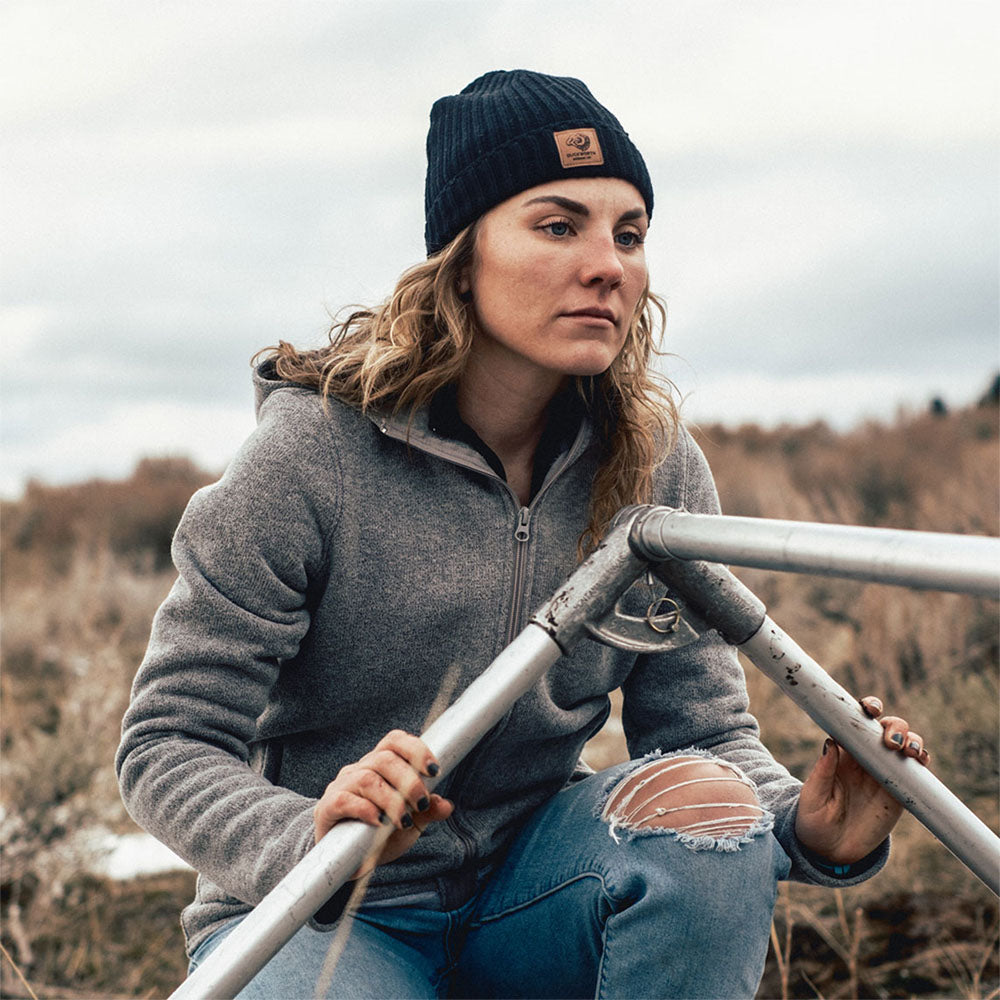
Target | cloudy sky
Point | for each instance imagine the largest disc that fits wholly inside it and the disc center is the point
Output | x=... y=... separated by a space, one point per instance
x=183 y=183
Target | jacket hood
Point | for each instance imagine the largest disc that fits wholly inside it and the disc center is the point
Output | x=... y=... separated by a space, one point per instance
x=266 y=381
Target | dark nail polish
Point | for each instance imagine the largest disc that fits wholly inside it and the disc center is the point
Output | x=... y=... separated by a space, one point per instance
x=433 y=769
x=382 y=818
x=423 y=804
x=407 y=821
x=897 y=738
x=915 y=746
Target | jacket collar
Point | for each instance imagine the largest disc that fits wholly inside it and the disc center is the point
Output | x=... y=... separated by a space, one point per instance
x=416 y=431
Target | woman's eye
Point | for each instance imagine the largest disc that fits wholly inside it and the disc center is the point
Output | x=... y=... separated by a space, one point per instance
x=557 y=228
x=628 y=238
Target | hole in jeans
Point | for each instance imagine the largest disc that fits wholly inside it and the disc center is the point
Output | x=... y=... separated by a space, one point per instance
x=707 y=802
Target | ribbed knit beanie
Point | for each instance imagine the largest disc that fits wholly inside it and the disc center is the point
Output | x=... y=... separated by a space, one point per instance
x=509 y=131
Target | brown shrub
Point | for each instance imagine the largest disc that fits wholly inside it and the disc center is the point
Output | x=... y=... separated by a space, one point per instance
x=134 y=519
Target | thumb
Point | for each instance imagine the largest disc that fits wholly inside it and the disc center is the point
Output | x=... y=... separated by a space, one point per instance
x=820 y=782
x=439 y=809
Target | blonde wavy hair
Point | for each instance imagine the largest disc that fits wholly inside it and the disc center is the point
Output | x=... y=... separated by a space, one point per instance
x=400 y=353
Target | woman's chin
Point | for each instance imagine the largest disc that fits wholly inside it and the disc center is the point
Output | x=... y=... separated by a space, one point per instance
x=589 y=363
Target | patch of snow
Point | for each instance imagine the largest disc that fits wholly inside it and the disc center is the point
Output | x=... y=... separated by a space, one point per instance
x=125 y=856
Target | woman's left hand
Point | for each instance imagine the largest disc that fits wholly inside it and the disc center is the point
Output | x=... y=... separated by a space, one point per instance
x=844 y=813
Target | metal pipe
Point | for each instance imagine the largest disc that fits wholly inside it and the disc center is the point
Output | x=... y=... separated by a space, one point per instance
x=703 y=586
x=341 y=852
x=652 y=535
x=922 y=559
x=555 y=629
x=833 y=709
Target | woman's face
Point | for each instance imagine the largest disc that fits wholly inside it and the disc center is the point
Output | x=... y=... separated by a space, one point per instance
x=557 y=275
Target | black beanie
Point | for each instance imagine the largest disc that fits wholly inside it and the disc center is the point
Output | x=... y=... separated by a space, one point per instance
x=509 y=131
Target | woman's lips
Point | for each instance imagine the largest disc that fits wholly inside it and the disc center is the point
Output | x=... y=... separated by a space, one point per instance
x=592 y=313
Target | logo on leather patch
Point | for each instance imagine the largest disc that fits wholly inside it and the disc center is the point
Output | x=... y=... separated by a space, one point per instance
x=579 y=147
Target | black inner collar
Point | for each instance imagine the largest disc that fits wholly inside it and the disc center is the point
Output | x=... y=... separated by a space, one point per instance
x=565 y=412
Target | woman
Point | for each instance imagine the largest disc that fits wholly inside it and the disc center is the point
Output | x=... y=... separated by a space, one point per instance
x=411 y=493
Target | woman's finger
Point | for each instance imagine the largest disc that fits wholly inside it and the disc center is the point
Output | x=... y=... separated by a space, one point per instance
x=437 y=809
x=338 y=804
x=382 y=787
x=897 y=735
x=385 y=786
x=894 y=730
x=872 y=706
x=412 y=749
x=400 y=775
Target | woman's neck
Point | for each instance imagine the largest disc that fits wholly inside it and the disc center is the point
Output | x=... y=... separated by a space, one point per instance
x=509 y=412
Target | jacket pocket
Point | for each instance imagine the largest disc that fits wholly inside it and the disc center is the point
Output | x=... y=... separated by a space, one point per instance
x=265 y=759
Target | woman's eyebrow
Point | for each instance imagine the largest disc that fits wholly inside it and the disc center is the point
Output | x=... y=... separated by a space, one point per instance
x=635 y=213
x=571 y=206
x=578 y=208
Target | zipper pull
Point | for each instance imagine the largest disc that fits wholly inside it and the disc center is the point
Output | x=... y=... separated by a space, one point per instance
x=521 y=531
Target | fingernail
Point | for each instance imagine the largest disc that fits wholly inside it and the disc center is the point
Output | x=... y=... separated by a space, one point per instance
x=914 y=745
x=382 y=818
x=433 y=769
x=423 y=804
x=407 y=821
x=897 y=738
x=826 y=746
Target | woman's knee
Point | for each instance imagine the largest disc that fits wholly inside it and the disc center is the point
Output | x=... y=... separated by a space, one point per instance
x=692 y=849
x=702 y=799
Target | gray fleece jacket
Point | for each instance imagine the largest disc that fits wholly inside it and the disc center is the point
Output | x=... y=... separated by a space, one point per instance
x=326 y=584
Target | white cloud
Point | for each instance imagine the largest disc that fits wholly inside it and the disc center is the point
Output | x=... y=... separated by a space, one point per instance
x=847 y=72
x=184 y=183
x=22 y=330
x=748 y=235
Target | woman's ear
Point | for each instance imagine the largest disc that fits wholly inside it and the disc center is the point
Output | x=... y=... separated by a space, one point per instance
x=467 y=262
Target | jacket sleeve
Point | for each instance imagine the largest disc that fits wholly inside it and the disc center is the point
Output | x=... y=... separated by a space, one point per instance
x=696 y=696
x=246 y=550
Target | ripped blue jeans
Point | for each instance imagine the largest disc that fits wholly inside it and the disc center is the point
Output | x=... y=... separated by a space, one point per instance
x=617 y=887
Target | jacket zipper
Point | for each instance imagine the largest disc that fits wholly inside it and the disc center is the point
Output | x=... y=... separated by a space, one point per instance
x=522 y=535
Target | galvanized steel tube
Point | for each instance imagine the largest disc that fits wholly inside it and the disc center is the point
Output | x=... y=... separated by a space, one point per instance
x=702 y=586
x=929 y=560
x=915 y=786
x=340 y=853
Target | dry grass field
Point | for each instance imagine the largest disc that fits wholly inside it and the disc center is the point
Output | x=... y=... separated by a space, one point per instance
x=85 y=566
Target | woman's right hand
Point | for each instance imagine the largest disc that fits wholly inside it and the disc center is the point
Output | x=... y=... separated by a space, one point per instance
x=385 y=787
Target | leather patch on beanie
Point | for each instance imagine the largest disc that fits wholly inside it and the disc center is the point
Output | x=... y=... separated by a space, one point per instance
x=579 y=147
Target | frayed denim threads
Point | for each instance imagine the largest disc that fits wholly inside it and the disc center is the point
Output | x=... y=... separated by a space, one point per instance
x=725 y=832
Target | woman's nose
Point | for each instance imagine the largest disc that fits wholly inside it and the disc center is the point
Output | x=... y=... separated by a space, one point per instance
x=601 y=264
